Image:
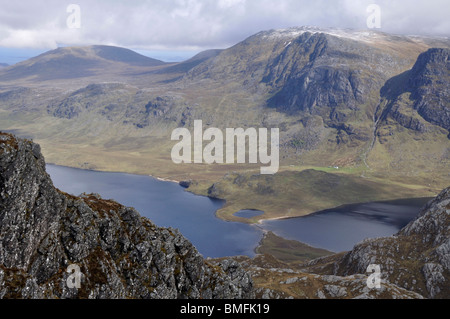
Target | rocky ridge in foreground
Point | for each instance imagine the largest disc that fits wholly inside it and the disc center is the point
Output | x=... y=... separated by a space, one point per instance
x=43 y=232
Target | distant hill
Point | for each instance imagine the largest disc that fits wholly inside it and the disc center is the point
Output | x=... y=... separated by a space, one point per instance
x=123 y=55
x=3 y=65
x=77 y=62
x=187 y=65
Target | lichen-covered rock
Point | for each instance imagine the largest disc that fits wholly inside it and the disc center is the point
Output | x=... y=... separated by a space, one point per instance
x=119 y=254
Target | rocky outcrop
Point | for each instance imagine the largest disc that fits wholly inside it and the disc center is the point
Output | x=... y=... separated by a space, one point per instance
x=105 y=99
x=421 y=96
x=312 y=85
x=276 y=280
x=416 y=259
x=119 y=254
x=430 y=86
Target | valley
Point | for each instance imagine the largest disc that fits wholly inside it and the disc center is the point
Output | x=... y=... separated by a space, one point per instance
x=363 y=116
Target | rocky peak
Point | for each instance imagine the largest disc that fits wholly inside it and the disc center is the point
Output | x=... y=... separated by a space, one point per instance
x=420 y=96
x=432 y=224
x=120 y=254
x=430 y=86
x=430 y=64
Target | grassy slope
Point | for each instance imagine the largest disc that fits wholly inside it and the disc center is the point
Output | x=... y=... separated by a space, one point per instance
x=296 y=192
x=289 y=251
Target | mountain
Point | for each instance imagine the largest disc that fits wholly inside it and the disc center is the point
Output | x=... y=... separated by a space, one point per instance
x=359 y=105
x=412 y=121
x=331 y=73
x=77 y=62
x=3 y=65
x=43 y=232
x=421 y=95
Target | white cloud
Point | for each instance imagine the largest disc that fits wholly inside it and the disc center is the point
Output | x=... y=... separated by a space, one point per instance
x=201 y=24
x=232 y=4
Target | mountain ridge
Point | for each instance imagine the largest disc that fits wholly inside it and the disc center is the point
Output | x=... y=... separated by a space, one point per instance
x=342 y=106
x=75 y=62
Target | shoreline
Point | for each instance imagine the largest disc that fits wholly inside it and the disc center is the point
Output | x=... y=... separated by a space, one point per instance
x=345 y=207
x=259 y=222
x=262 y=223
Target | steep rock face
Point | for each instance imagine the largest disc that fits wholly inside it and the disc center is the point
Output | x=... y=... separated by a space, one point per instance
x=332 y=74
x=317 y=73
x=421 y=96
x=417 y=258
x=43 y=231
x=430 y=84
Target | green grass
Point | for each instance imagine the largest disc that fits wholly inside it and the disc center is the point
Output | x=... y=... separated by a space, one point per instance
x=292 y=193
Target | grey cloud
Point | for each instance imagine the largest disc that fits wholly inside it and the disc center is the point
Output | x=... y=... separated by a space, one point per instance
x=202 y=24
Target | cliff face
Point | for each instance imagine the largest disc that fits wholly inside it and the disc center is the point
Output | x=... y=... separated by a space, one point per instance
x=430 y=86
x=421 y=96
x=43 y=231
x=326 y=79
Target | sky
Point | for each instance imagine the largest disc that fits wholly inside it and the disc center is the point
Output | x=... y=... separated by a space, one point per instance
x=175 y=29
